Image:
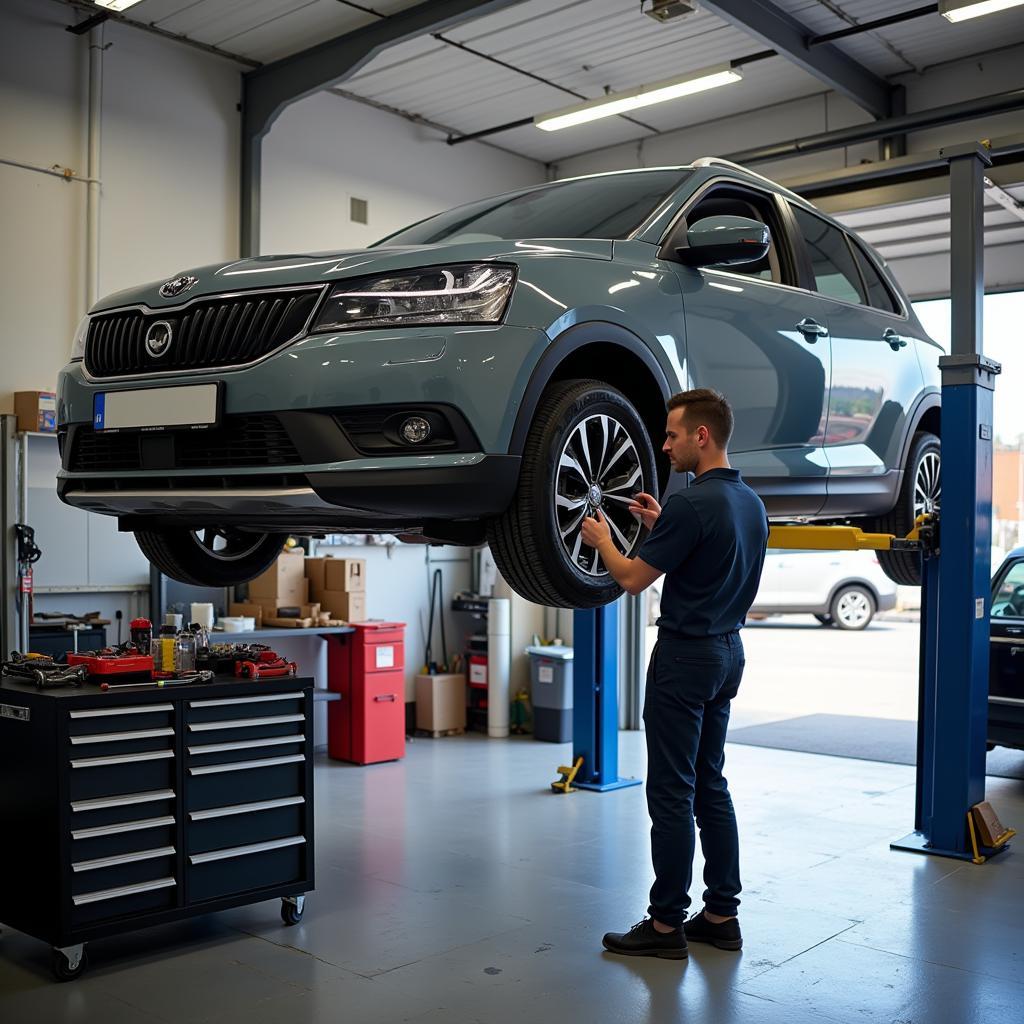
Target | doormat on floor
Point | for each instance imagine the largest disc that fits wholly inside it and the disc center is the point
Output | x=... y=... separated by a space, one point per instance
x=868 y=739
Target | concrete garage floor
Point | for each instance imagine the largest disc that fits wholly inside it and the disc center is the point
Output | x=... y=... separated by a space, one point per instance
x=452 y=888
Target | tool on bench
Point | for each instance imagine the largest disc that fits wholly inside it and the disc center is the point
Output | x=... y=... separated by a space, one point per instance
x=42 y=671
x=266 y=665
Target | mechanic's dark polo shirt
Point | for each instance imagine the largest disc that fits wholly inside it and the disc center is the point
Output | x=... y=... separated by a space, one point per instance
x=710 y=542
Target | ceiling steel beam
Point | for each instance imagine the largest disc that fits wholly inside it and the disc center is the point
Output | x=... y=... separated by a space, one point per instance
x=267 y=90
x=789 y=37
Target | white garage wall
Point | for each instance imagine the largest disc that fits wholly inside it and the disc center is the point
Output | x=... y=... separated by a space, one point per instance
x=169 y=171
x=325 y=149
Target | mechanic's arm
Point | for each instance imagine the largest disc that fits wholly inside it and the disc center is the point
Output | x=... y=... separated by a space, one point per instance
x=634 y=575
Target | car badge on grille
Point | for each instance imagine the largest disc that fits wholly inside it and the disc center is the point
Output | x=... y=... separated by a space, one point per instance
x=178 y=286
x=158 y=338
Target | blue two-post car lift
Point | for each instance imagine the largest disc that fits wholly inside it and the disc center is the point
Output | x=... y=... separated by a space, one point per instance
x=955 y=591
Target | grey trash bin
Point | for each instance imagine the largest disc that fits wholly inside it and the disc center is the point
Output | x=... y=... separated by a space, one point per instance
x=551 y=679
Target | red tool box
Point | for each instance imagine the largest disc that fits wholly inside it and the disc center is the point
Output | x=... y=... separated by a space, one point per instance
x=367 y=668
x=114 y=668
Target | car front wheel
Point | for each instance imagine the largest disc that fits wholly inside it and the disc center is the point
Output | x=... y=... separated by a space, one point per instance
x=210 y=556
x=853 y=608
x=587 y=449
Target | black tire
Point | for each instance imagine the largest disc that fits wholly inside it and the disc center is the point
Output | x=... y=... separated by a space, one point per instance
x=923 y=465
x=182 y=555
x=825 y=620
x=527 y=539
x=853 y=607
x=60 y=968
x=290 y=914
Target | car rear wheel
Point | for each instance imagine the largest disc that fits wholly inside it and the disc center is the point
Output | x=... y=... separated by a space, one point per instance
x=853 y=608
x=825 y=620
x=587 y=449
x=920 y=492
x=212 y=556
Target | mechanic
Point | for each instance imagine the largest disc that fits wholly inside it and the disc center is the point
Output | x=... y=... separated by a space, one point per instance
x=709 y=541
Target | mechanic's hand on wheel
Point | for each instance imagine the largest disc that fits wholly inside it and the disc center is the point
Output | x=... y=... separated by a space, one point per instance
x=645 y=508
x=596 y=530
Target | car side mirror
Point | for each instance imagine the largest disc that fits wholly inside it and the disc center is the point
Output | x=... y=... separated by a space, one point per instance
x=725 y=241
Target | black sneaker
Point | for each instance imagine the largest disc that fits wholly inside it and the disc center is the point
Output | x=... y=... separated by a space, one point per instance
x=643 y=940
x=725 y=935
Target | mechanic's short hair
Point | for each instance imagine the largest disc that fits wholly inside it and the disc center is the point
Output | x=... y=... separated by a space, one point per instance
x=705 y=407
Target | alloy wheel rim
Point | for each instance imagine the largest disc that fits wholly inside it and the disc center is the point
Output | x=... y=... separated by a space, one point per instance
x=927 y=484
x=226 y=545
x=854 y=608
x=598 y=468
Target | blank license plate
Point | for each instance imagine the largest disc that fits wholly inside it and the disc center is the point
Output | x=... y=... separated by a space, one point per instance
x=156 y=408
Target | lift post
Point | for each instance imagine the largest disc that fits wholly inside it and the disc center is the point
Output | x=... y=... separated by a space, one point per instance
x=595 y=715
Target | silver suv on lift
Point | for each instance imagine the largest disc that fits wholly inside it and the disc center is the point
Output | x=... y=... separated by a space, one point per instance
x=496 y=372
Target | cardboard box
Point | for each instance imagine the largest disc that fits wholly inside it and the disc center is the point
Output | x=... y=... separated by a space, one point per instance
x=314 y=570
x=343 y=605
x=36 y=410
x=347 y=574
x=440 y=702
x=284 y=580
x=309 y=611
x=254 y=611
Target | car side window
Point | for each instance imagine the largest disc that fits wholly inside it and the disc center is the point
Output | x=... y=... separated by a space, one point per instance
x=738 y=202
x=835 y=272
x=1008 y=596
x=879 y=294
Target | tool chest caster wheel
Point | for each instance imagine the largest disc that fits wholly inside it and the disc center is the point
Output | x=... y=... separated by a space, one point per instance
x=67 y=964
x=292 y=909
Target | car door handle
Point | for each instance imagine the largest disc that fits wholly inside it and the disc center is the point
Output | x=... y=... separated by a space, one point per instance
x=811 y=330
x=896 y=341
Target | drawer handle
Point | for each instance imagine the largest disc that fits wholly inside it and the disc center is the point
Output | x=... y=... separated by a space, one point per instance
x=124 y=890
x=127 y=826
x=271 y=741
x=385 y=698
x=99 y=803
x=262 y=805
x=243 y=723
x=243 y=700
x=138 y=709
x=94 y=762
x=244 y=851
x=237 y=766
x=125 y=858
x=113 y=737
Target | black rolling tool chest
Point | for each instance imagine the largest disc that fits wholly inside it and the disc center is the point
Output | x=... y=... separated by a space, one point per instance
x=126 y=809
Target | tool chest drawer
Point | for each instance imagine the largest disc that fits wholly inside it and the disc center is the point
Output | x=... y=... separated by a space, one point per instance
x=148 y=805
x=240 y=868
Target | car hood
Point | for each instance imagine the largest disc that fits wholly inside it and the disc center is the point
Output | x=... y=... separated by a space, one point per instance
x=321 y=267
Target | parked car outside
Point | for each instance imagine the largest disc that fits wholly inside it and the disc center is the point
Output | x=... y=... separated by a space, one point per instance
x=1006 y=654
x=499 y=371
x=839 y=588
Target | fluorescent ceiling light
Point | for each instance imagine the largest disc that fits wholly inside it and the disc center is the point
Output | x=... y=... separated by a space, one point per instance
x=642 y=96
x=961 y=10
x=116 y=5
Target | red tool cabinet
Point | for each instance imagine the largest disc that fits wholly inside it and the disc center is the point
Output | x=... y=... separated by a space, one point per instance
x=367 y=668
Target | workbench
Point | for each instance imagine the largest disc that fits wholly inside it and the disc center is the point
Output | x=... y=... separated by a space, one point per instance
x=137 y=806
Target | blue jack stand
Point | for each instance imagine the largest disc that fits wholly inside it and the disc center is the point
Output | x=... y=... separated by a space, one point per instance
x=595 y=716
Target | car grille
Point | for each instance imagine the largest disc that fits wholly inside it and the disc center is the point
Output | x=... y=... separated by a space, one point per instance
x=241 y=442
x=205 y=334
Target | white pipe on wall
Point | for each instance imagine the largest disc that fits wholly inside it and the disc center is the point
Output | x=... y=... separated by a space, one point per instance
x=92 y=216
x=499 y=664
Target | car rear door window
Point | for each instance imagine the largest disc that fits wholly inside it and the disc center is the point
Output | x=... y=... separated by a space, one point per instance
x=879 y=295
x=835 y=271
x=1008 y=596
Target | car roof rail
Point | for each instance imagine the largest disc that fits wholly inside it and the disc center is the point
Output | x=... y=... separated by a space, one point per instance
x=717 y=161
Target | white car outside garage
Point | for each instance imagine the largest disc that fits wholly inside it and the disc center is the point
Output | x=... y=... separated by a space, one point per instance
x=840 y=588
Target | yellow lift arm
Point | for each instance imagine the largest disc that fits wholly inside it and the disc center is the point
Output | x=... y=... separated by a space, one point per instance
x=852 y=538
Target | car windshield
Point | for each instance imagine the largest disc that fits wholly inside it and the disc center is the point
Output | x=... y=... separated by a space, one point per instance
x=605 y=206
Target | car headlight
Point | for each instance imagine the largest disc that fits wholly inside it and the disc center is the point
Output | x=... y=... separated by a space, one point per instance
x=78 y=345
x=475 y=293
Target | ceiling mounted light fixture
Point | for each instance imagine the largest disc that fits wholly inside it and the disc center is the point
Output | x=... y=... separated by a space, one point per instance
x=962 y=10
x=116 y=5
x=642 y=96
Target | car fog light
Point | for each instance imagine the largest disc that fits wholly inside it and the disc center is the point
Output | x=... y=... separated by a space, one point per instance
x=415 y=430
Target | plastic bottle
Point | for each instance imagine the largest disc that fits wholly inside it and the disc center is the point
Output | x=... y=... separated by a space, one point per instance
x=185 y=651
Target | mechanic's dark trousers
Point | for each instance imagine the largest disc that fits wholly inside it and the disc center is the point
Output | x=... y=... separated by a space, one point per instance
x=690 y=684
